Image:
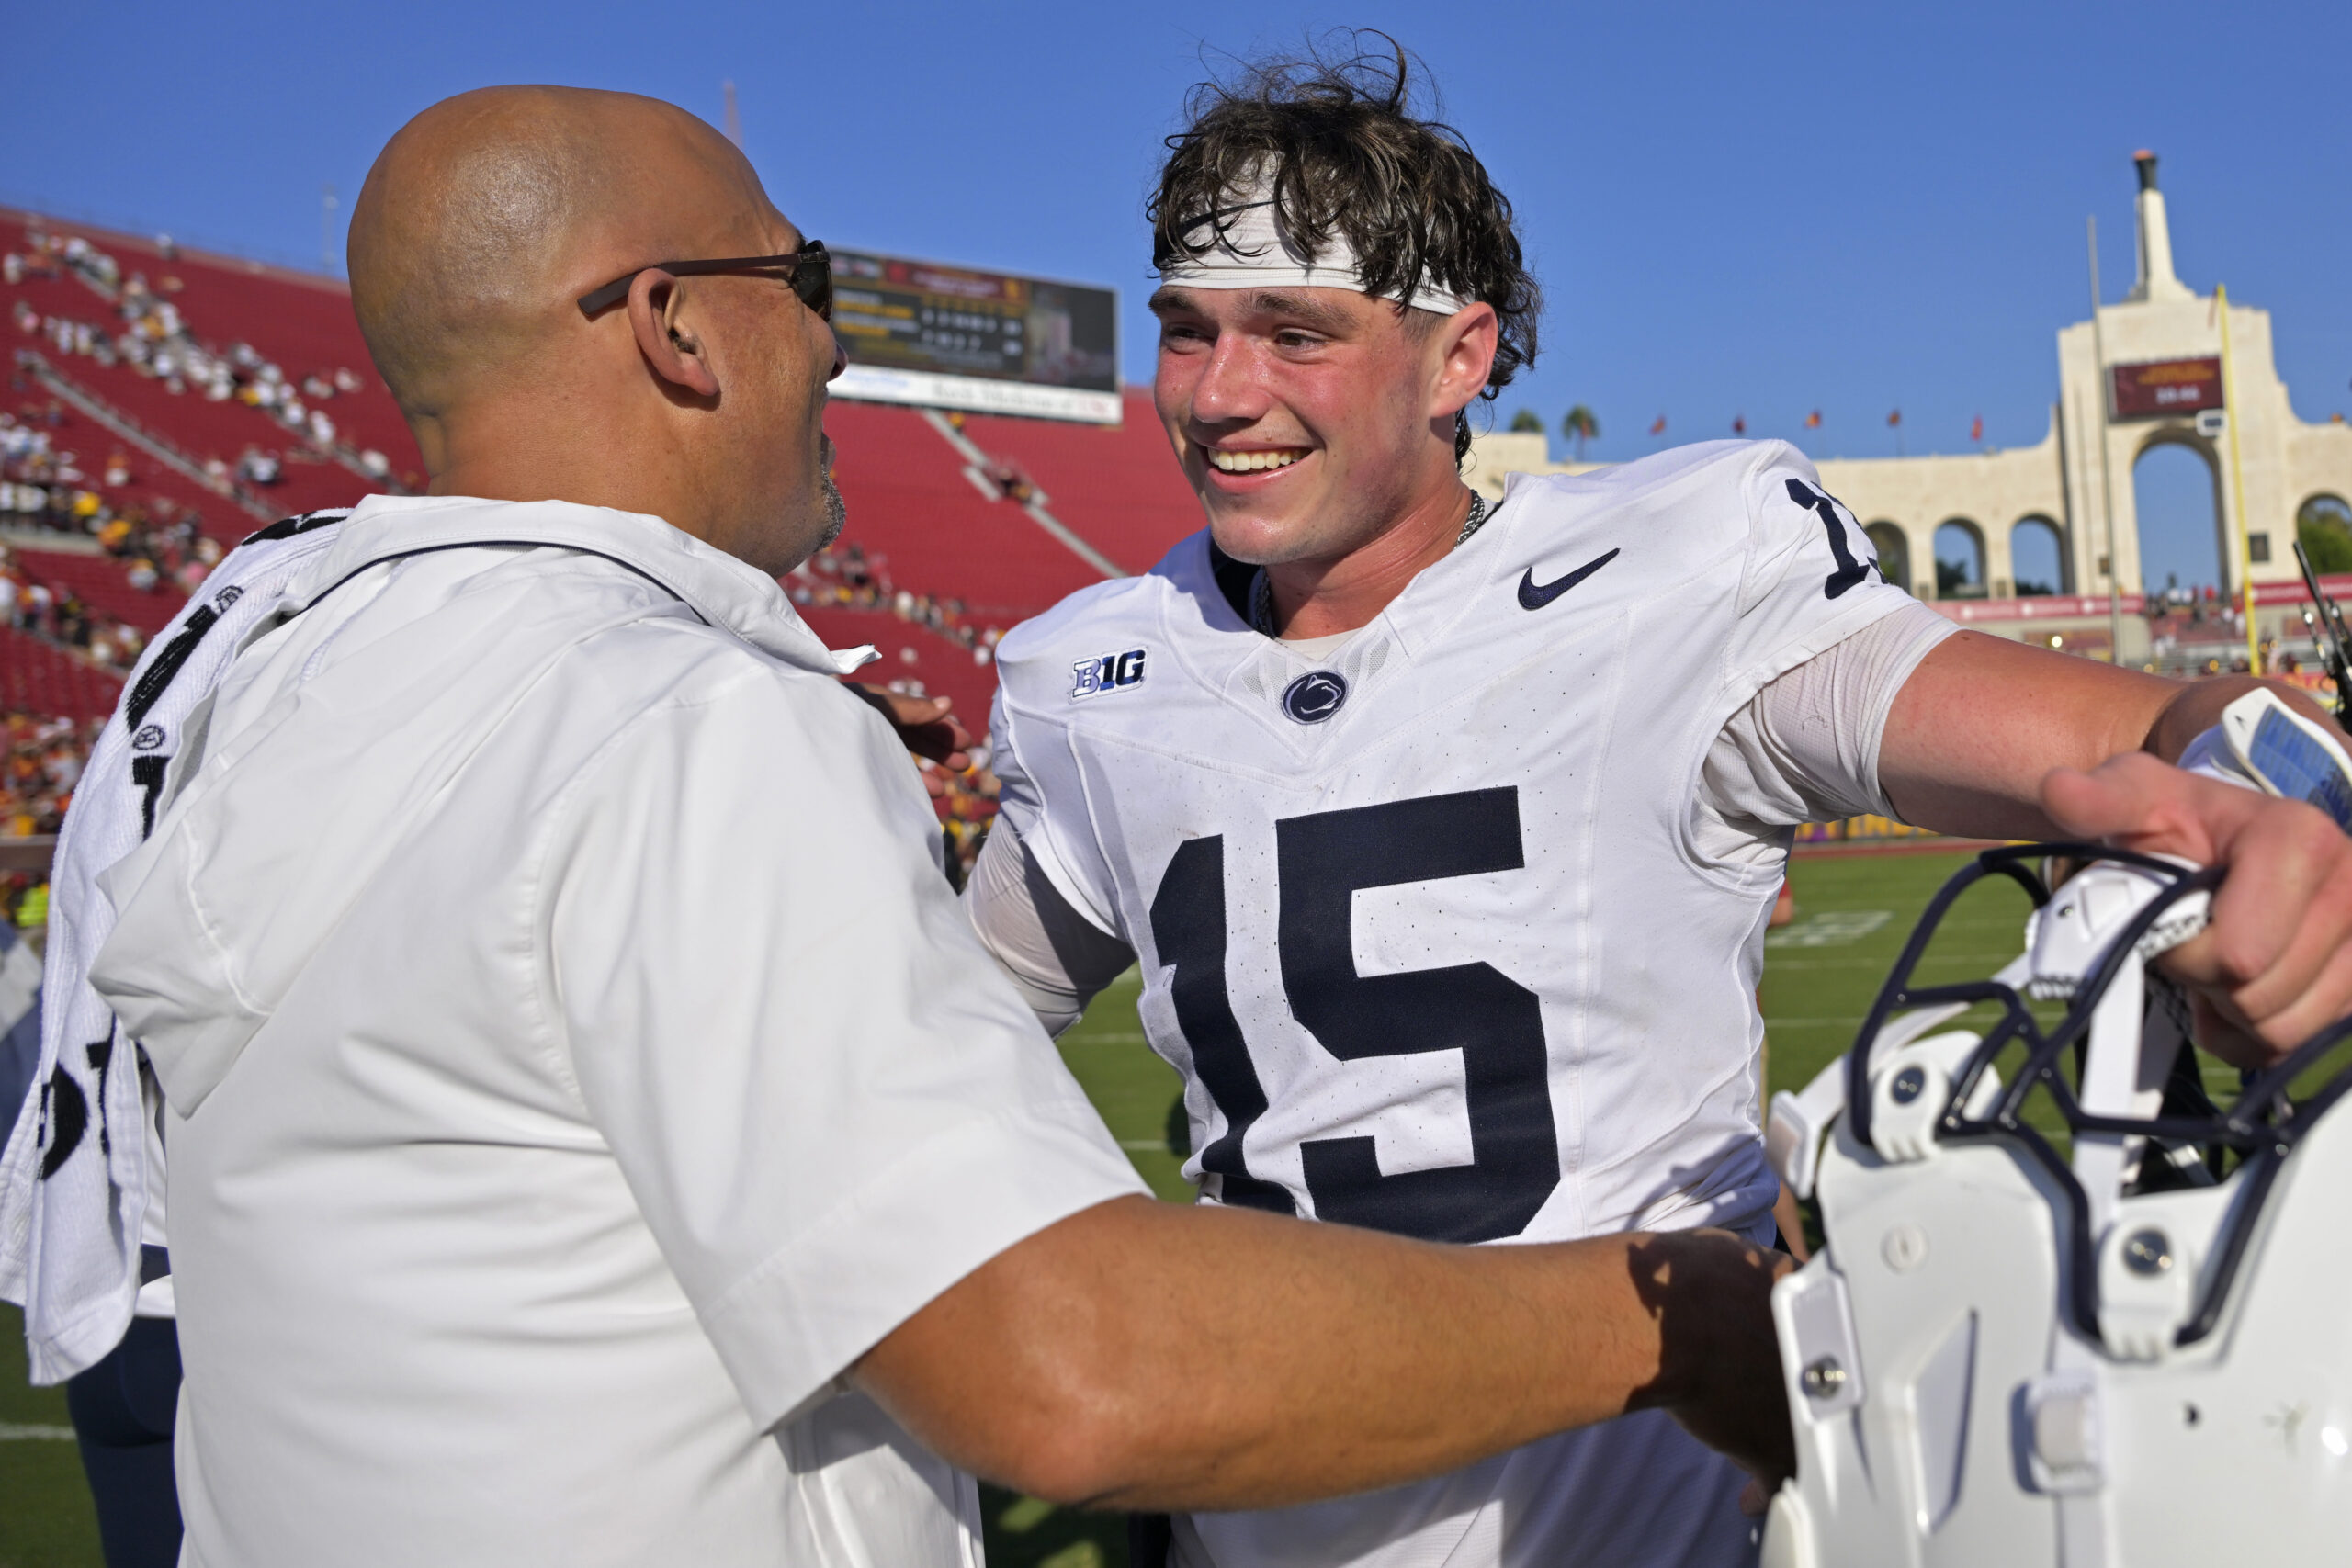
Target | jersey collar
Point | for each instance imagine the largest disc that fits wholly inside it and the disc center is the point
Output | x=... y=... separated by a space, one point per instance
x=723 y=591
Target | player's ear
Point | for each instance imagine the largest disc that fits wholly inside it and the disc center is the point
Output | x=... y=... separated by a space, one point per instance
x=671 y=348
x=1465 y=344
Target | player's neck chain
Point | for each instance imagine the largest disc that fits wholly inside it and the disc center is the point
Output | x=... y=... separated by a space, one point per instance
x=1261 y=587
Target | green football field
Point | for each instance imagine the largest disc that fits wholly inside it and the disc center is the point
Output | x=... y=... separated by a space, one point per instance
x=1853 y=912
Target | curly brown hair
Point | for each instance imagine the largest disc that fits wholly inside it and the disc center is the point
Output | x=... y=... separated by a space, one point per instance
x=1349 y=155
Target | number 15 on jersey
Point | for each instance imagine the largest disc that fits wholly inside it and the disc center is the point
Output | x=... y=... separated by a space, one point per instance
x=1496 y=1024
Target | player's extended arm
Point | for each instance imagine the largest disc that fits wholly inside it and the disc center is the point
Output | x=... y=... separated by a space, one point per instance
x=1982 y=721
x=1995 y=739
x=1152 y=1355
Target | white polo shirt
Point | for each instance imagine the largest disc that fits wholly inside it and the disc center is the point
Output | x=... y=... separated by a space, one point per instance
x=576 y=1059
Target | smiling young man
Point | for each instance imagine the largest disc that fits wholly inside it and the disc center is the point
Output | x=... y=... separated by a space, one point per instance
x=1446 y=836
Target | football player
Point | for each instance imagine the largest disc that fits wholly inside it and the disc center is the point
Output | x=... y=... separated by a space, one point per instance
x=1446 y=835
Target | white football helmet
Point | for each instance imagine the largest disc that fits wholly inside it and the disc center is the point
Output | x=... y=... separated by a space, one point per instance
x=2130 y=1353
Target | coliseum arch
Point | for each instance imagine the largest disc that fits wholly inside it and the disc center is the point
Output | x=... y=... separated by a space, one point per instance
x=2163 y=448
x=2040 y=558
x=1893 y=546
x=1960 y=559
x=2141 y=376
x=2324 y=526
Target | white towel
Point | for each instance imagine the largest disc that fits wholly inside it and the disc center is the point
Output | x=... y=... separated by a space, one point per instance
x=19 y=1018
x=82 y=1166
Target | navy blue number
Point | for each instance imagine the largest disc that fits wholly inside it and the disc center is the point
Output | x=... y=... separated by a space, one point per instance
x=1849 y=570
x=1494 y=1021
x=1188 y=927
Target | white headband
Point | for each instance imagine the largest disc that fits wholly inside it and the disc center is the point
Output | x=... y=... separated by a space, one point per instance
x=1255 y=252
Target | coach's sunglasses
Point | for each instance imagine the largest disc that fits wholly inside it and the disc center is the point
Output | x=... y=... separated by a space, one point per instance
x=809 y=270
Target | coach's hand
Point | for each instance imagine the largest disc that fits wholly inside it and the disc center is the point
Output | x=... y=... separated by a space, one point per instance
x=2275 y=965
x=926 y=727
x=1718 y=1371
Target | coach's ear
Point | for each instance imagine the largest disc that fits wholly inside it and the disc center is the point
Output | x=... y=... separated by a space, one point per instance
x=657 y=309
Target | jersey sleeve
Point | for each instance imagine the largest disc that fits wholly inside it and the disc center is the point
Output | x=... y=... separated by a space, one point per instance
x=1805 y=749
x=1810 y=578
x=826 y=1100
x=1044 y=799
x=1054 y=956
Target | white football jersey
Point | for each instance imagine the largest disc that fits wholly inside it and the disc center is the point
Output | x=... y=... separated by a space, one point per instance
x=1425 y=920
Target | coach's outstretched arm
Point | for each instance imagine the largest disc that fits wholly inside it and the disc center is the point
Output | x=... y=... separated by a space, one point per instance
x=1150 y=1355
x=1991 y=739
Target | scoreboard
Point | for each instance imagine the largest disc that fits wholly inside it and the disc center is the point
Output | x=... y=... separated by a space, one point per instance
x=951 y=337
x=2165 y=386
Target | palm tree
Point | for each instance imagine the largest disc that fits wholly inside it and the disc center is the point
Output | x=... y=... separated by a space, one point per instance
x=1527 y=421
x=1581 y=426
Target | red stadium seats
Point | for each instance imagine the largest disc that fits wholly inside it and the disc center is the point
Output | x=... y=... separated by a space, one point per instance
x=1117 y=486
x=926 y=520
x=945 y=668
x=37 y=677
x=911 y=506
x=100 y=582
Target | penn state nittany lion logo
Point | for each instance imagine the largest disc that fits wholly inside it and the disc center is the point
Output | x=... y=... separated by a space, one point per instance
x=1313 y=698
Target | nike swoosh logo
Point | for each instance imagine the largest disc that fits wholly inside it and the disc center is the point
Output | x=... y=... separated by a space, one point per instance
x=1535 y=595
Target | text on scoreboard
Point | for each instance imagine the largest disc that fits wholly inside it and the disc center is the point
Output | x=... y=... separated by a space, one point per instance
x=942 y=337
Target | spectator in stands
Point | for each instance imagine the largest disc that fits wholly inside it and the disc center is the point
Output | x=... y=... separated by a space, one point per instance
x=860 y=583
x=41 y=763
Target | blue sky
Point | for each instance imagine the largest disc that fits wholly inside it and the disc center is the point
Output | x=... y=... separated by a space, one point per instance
x=1736 y=209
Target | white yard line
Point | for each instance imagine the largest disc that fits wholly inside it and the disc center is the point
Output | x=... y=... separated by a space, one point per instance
x=1776 y=965
x=16 y=1432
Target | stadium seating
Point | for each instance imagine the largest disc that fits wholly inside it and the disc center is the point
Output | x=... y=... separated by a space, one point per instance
x=100 y=583
x=1117 y=486
x=912 y=506
x=926 y=520
x=39 y=678
x=288 y=319
x=944 y=668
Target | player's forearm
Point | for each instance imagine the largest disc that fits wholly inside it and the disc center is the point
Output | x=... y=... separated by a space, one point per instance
x=1982 y=721
x=1148 y=1355
x=1967 y=751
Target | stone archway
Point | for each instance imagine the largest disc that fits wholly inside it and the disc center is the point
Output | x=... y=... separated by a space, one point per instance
x=2184 y=543
x=1960 y=559
x=2039 y=563
x=1894 y=553
x=2323 y=527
